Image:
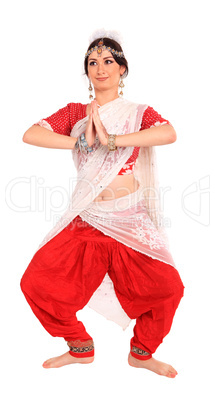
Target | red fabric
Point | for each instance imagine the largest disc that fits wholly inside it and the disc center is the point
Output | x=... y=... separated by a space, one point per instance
x=81 y=355
x=63 y=121
x=150 y=118
x=140 y=357
x=63 y=275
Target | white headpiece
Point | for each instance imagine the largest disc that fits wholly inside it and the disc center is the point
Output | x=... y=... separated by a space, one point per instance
x=102 y=33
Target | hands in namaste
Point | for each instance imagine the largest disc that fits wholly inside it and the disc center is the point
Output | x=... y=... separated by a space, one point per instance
x=94 y=125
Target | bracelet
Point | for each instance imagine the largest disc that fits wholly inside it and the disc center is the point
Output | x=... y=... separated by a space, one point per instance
x=77 y=146
x=111 y=142
x=82 y=145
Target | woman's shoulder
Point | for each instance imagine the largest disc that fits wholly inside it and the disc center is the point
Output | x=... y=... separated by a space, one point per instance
x=77 y=106
x=77 y=111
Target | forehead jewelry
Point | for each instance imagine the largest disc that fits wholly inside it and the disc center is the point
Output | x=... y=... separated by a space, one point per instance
x=102 y=47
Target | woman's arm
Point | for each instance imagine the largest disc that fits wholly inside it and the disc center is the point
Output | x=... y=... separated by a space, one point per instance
x=42 y=137
x=161 y=135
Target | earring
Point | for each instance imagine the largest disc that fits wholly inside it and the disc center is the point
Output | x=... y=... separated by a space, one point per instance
x=90 y=90
x=121 y=85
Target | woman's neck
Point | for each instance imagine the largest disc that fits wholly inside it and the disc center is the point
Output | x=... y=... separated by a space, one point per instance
x=105 y=97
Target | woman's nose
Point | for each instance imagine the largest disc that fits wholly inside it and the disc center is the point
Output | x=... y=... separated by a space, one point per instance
x=100 y=68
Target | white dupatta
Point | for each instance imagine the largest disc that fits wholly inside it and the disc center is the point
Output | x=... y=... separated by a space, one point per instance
x=95 y=171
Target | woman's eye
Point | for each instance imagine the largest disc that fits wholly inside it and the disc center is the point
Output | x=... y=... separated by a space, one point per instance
x=94 y=63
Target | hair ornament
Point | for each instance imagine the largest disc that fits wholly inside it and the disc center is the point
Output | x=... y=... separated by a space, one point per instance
x=100 y=49
x=102 y=33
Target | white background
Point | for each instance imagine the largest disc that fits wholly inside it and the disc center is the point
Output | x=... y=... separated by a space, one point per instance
x=170 y=49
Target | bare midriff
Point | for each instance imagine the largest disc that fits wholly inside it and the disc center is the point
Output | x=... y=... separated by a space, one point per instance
x=120 y=186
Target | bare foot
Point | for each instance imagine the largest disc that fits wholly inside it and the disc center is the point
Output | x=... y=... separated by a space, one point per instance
x=65 y=359
x=153 y=365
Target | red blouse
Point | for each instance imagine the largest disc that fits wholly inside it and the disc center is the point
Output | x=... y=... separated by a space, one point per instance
x=63 y=121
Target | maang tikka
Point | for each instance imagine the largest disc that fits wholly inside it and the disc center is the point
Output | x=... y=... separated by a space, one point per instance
x=102 y=47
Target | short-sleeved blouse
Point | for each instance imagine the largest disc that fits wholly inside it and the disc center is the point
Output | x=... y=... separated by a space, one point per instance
x=63 y=121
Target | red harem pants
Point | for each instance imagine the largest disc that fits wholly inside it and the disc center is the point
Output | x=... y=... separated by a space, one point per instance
x=64 y=273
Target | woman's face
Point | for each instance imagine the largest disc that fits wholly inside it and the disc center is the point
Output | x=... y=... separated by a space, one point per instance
x=103 y=71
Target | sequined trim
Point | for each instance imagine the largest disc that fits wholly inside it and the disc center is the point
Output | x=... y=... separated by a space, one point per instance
x=75 y=347
x=140 y=352
x=82 y=350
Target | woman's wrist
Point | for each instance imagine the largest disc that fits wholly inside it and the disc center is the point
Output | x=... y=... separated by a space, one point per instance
x=119 y=141
x=82 y=145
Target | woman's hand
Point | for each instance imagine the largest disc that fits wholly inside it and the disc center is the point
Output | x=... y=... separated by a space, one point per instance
x=90 y=133
x=99 y=127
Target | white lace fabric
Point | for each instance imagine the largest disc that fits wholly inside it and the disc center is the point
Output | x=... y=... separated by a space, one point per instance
x=126 y=220
x=136 y=219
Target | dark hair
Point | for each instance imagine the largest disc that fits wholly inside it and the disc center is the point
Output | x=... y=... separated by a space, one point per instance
x=113 y=45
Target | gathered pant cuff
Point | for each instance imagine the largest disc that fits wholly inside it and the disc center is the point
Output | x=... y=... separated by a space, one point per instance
x=140 y=354
x=81 y=351
x=81 y=355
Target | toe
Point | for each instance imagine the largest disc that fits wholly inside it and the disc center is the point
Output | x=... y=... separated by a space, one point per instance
x=47 y=364
x=172 y=373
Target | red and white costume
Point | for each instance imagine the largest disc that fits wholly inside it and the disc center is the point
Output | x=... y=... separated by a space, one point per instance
x=112 y=255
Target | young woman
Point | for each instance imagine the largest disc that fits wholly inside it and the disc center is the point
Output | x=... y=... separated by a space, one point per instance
x=109 y=249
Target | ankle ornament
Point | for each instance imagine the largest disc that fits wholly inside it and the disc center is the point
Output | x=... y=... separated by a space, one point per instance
x=140 y=354
x=81 y=349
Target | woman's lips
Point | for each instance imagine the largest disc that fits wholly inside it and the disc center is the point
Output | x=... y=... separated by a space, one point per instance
x=102 y=79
